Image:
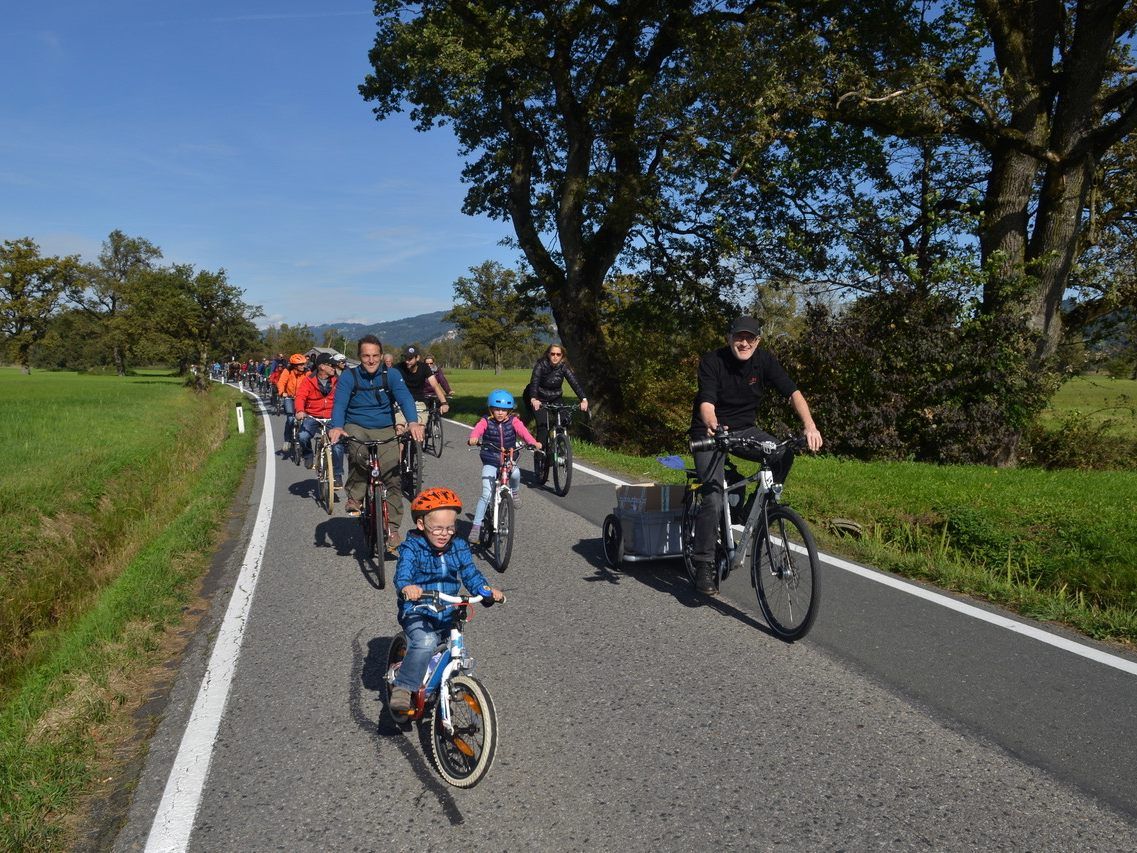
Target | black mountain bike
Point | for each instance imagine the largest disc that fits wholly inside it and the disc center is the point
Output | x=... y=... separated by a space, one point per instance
x=410 y=464
x=432 y=439
x=557 y=455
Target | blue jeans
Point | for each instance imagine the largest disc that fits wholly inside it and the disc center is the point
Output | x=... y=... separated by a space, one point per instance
x=489 y=483
x=423 y=637
x=289 y=417
x=308 y=430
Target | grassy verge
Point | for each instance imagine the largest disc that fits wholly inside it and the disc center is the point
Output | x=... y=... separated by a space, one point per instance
x=1055 y=545
x=131 y=513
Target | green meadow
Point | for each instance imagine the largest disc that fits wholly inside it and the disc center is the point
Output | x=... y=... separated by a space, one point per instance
x=114 y=491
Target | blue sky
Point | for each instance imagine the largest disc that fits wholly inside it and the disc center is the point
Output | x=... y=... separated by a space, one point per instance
x=231 y=134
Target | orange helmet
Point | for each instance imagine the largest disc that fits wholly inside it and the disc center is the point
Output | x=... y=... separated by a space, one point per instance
x=435 y=498
x=298 y=358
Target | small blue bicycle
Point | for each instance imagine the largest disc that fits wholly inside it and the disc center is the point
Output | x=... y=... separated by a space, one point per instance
x=462 y=719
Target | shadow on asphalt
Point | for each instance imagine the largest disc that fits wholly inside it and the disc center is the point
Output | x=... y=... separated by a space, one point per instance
x=666 y=576
x=368 y=689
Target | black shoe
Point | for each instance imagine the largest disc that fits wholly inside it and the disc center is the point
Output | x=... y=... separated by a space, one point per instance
x=705 y=578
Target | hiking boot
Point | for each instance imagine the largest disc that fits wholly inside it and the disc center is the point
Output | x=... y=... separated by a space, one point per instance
x=400 y=700
x=352 y=507
x=339 y=482
x=475 y=533
x=705 y=578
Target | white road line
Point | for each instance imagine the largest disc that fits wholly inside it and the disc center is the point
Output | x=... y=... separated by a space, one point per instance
x=1067 y=645
x=174 y=821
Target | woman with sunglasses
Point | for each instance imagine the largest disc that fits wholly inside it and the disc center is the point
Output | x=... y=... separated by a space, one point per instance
x=545 y=386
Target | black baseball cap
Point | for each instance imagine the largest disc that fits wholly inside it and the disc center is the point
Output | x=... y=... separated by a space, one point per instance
x=410 y=353
x=746 y=324
x=324 y=358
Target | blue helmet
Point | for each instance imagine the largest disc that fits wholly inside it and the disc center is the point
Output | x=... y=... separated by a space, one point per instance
x=500 y=399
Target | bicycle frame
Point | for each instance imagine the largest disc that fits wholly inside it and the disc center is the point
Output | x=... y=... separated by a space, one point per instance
x=504 y=471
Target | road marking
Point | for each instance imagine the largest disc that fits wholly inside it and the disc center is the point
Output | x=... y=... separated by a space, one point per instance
x=173 y=823
x=1067 y=645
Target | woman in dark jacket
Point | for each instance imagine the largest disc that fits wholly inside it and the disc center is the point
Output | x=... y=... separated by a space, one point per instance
x=549 y=375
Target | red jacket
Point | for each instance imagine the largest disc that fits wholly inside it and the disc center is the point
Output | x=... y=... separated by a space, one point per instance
x=310 y=401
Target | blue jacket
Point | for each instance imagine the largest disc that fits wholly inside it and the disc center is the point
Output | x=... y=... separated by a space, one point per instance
x=361 y=400
x=420 y=564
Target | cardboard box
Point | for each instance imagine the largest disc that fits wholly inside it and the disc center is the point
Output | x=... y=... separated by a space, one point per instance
x=649 y=497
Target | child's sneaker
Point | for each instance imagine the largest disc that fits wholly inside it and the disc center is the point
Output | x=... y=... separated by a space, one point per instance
x=475 y=533
x=400 y=700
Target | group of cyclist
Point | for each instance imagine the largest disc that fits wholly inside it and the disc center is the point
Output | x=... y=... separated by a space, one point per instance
x=372 y=400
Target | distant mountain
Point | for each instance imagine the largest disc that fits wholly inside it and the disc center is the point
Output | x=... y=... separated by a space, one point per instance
x=424 y=329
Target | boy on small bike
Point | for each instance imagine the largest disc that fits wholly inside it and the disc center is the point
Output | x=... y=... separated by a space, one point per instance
x=431 y=558
x=497 y=432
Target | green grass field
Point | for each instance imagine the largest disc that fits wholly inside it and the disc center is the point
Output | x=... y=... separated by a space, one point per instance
x=1099 y=399
x=113 y=498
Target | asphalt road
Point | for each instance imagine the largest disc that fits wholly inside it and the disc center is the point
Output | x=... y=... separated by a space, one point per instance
x=635 y=716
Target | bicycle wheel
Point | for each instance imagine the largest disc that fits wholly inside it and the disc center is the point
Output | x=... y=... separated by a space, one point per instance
x=503 y=535
x=612 y=536
x=464 y=757
x=328 y=480
x=412 y=469
x=541 y=466
x=435 y=432
x=785 y=573
x=562 y=464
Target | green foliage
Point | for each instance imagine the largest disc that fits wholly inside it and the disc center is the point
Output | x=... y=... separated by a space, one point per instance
x=498 y=312
x=31 y=289
x=286 y=339
x=905 y=375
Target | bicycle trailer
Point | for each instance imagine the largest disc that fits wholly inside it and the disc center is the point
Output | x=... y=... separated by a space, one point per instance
x=645 y=524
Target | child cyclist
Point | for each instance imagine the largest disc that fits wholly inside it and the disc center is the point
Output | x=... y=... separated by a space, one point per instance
x=498 y=431
x=431 y=558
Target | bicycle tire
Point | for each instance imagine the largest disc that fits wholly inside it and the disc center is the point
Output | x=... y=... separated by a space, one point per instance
x=562 y=464
x=541 y=466
x=414 y=449
x=436 y=434
x=612 y=538
x=503 y=533
x=464 y=758
x=328 y=484
x=785 y=571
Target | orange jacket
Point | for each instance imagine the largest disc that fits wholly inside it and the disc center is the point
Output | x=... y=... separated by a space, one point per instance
x=287 y=382
x=310 y=401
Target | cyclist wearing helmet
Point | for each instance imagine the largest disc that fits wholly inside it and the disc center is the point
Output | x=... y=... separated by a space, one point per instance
x=546 y=385
x=286 y=386
x=431 y=558
x=731 y=381
x=497 y=432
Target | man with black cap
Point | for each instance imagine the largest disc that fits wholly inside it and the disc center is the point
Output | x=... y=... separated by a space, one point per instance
x=731 y=382
x=418 y=378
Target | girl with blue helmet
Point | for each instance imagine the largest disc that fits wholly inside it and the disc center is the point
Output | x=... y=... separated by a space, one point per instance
x=497 y=432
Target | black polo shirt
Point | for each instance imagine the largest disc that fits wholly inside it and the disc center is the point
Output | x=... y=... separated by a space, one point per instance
x=735 y=387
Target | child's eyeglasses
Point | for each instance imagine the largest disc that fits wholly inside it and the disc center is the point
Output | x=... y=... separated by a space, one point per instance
x=441 y=531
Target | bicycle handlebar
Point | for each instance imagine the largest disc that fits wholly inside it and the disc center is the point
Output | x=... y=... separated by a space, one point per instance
x=727 y=443
x=435 y=596
x=368 y=443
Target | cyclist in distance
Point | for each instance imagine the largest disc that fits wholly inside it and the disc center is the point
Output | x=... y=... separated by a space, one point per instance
x=732 y=380
x=419 y=379
x=315 y=395
x=364 y=408
x=546 y=384
x=497 y=431
x=286 y=386
x=432 y=558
